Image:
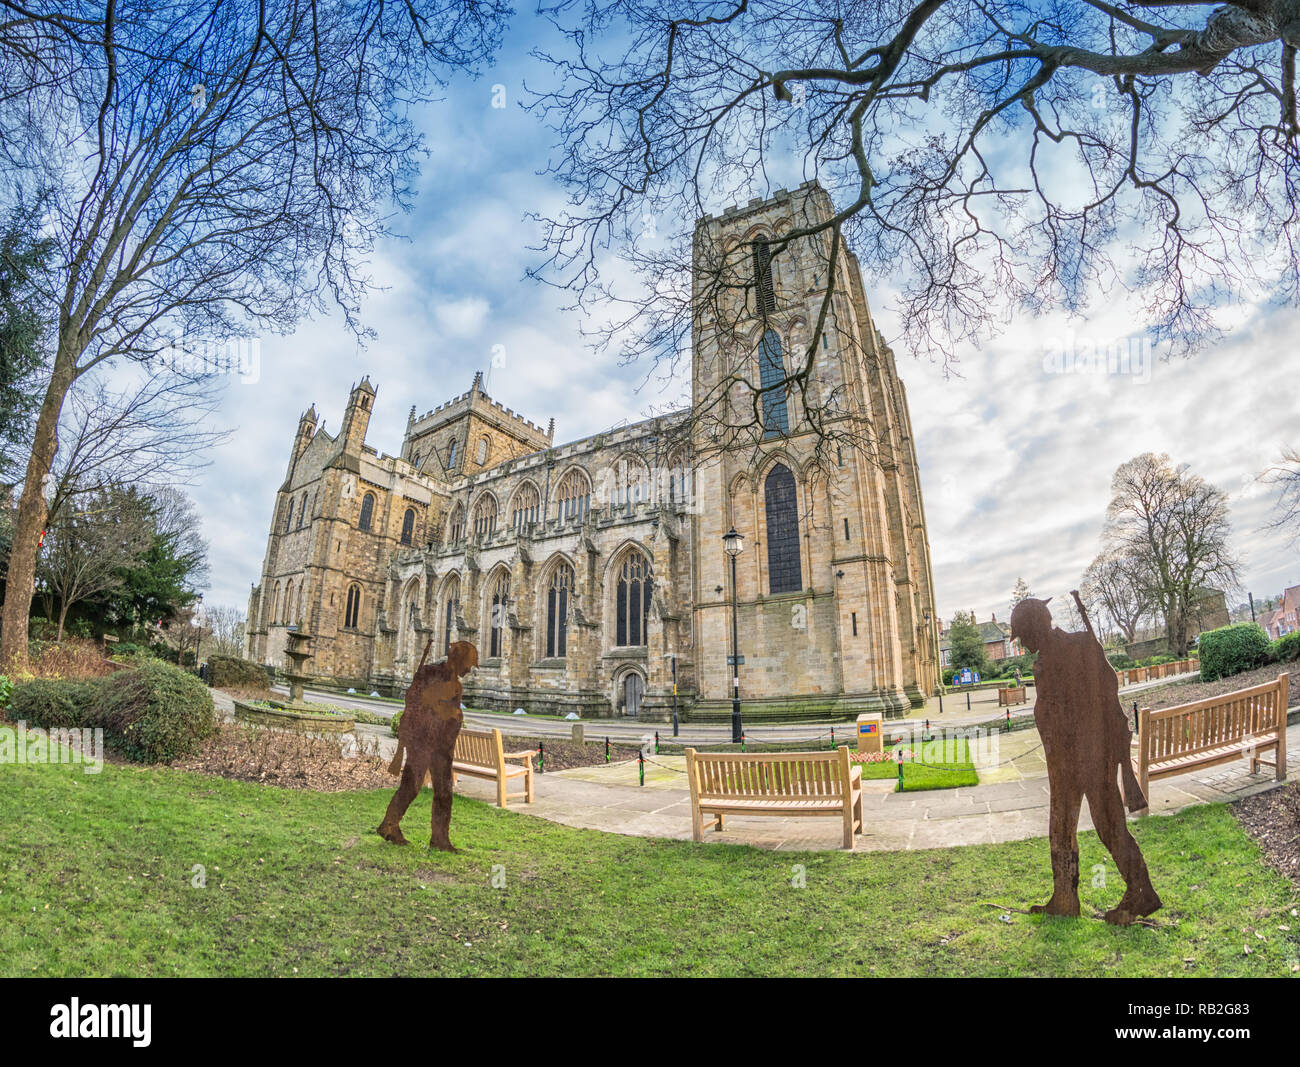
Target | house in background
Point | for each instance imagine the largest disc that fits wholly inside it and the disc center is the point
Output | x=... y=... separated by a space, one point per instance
x=998 y=642
x=1285 y=619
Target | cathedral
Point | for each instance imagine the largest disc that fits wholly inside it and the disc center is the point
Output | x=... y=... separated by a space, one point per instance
x=592 y=576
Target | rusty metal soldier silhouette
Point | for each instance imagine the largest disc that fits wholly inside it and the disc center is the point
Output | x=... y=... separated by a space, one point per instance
x=1086 y=742
x=431 y=722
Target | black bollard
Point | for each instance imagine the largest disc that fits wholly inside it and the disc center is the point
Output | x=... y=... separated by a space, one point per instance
x=541 y=757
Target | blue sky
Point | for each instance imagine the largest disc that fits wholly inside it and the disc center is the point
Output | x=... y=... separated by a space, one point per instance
x=1015 y=460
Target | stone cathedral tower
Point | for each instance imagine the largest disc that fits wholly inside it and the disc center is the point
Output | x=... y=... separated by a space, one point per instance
x=835 y=598
x=591 y=573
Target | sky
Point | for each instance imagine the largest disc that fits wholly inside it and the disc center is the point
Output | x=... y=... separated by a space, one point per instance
x=1016 y=445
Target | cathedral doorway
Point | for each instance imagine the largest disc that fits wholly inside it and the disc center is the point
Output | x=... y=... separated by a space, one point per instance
x=633 y=691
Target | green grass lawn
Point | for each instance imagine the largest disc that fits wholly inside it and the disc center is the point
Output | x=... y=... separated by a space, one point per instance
x=955 y=769
x=96 y=872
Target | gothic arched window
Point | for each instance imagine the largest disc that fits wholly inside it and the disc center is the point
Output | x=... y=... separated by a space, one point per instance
x=452 y=605
x=764 y=290
x=286 y=523
x=782 y=501
x=527 y=506
x=485 y=516
x=557 y=611
x=353 y=611
x=458 y=524
x=632 y=607
x=482 y=450
x=302 y=511
x=367 y=511
x=275 y=604
x=408 y=526
x=451 y=454
x=573 y=497
x=771 y=370
x=497 y=620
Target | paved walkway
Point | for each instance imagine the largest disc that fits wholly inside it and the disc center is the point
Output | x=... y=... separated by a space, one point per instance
x=954 y=709
x=1009 y=804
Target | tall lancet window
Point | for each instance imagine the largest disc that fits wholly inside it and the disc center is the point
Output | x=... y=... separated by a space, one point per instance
x=497 y=620
x=782 y=500
x=771 y=370
x=449 y=611
x=557 y=611
x=764 y=290
x=632 y=607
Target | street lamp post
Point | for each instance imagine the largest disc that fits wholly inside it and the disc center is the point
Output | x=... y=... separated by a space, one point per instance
x=732 y=543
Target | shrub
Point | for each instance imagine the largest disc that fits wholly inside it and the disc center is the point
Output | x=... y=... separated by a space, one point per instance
x=231 y=672
x=1286 y=648
x=158 y=711
x=76 y=658
x=397 y=719
x=55 y=703
x=1231 y=650
x=153 y=713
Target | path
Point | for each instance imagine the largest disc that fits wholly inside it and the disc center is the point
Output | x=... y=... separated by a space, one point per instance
x=1009 y=804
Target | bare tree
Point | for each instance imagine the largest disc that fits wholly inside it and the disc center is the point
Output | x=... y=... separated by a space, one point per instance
x=211 y=170
x=1174 y=526
x=150 y=432
x=89 y=545
x=226 y=628
x=1286 y=476
x=984 y=156
x=1115 y=582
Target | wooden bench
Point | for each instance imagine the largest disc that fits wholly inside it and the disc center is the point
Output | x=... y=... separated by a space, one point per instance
x=480 y=754
x=1012 y=694
x=775 y=783
x=1217 y=730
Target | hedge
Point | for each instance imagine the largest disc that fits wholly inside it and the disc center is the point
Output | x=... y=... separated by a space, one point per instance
x=1231 y=650
x=153 y=713
x=231 y=672
x=1286 y=647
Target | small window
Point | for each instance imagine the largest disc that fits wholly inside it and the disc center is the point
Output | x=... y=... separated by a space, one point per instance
x=846 y=530
x=367 y=511
x=765 y=291
x=408 y=526
x=353 y=610
x=482 y=450
x=451 y=454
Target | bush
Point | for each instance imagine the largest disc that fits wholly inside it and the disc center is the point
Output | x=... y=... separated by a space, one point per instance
x=75 y=658
x=231 y=672
x=159 y=712
x=1286 y=648
x=1232 y=649
x=55 y=703
x=397 y=719
x=153 y=713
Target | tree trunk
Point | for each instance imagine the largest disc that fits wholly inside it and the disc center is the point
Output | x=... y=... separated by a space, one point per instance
x=63 y=615
x=31 y=517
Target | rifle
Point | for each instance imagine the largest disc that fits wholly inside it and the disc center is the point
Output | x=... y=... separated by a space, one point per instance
x=1083 y=614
